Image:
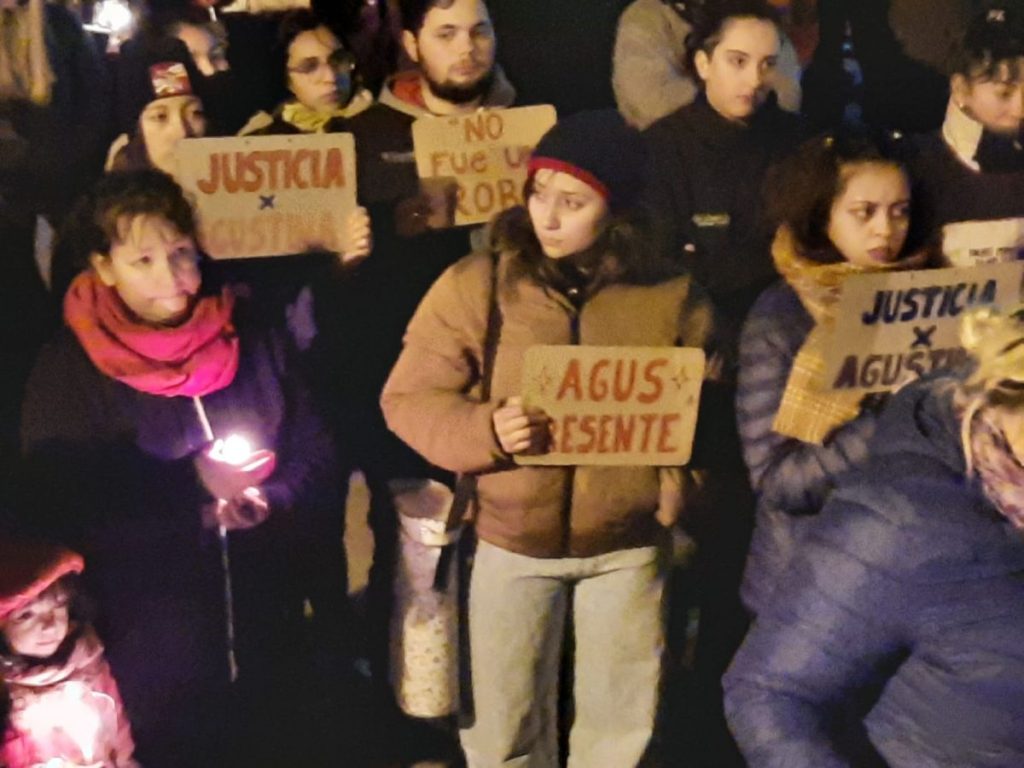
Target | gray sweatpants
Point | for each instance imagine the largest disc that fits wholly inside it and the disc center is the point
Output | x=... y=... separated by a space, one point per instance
x=517 y=611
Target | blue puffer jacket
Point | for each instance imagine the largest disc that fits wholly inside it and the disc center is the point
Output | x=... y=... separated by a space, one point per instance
x=909 y=586
x=791 y=478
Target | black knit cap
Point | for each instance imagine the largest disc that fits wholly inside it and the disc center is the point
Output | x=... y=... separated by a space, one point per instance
x=152 y=68
x=601 y=150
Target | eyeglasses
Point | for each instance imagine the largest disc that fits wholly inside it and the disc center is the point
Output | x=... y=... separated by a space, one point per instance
x=340 y=62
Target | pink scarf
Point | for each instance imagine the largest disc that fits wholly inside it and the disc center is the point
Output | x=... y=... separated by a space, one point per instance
x=193 y=359
x=1002 y=476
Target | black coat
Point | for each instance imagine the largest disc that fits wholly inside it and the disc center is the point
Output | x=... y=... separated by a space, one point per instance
x=949 y=193
x=362 y=316
x=109 y=470
x=705 y=192
x=59 y=149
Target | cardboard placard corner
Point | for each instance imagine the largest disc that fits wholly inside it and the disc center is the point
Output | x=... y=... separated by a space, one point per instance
x=269 y=195
x=484 y=153
x=615 y=406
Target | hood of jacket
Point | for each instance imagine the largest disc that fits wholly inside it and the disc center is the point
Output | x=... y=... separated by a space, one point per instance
x=921 y=421
x=404 y=92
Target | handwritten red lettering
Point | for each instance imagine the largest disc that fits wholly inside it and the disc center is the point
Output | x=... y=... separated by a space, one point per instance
x=652 y=378
x=603 y=429
x=566 y=442
x=622 y=391
x=274 y=170
x=667 y=420
x=598 y=388
x=624 y=428
x=648 y=420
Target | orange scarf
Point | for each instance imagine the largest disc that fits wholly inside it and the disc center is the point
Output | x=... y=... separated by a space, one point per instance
x=809 y=411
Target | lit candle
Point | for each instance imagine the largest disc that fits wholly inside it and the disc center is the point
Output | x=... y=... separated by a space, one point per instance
x=236 y=450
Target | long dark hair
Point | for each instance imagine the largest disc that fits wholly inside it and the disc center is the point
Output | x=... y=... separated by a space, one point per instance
x=800 y=191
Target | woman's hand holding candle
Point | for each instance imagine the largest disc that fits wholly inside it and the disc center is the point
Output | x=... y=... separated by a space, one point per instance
x=242 y=512
x=229 y=468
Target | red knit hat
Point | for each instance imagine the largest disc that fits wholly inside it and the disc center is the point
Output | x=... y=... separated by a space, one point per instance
x=28 y=568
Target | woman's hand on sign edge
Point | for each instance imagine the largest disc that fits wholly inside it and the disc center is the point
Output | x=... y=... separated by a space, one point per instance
x=520 y=430
x=357 y=237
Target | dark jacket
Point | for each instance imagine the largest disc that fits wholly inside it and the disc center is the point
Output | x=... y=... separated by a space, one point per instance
x=704 y=190
x=59 y=147
x=791 y=478
x=109 y=470
x=964 y=175
x=545 y=47
x=910 y=580
x=361 y=318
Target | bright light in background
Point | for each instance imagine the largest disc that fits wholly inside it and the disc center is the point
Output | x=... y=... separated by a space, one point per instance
x=114 y=17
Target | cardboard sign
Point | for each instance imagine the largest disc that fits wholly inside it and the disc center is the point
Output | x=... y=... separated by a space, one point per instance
x=898 y=325
x=973 y=243
x=269 y=195
x=485 y=154
x=626 y=406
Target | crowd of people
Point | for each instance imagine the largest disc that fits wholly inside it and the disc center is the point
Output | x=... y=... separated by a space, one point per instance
x=835 y=578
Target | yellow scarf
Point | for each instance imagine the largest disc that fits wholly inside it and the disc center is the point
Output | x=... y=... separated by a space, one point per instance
x=311 y=121
x=809 y=411
x=25 y=71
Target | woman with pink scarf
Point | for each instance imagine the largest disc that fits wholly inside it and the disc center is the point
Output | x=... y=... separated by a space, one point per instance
x=135 y=421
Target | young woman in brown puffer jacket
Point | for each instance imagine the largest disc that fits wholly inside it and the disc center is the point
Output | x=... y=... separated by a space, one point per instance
x=569 y=269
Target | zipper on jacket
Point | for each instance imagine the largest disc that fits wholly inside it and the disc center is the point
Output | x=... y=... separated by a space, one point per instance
x=570 y=471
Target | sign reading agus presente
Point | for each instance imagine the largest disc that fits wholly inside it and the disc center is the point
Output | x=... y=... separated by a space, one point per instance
x=484 y=153
x=269 y=195
x=898 y=325
x=626 y=406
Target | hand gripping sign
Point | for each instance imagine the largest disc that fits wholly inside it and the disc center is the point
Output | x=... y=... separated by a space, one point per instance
x=625 y=406
x=483 y=154
x=895 y=326
x=269 y=195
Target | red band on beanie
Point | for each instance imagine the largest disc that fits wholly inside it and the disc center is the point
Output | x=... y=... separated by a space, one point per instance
x=169 y=78
x=560 y=166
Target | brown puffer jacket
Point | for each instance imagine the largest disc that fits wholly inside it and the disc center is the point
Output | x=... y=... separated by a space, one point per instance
x=432 y=401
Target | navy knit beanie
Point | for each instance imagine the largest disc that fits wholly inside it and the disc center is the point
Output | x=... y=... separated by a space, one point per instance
x=599 y=149
x=151 y=69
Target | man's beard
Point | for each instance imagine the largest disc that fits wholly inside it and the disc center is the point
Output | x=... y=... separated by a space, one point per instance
x=460 y=94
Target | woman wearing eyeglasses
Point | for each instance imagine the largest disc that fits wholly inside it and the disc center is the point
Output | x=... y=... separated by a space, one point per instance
x=320 y=75
x=319 y=72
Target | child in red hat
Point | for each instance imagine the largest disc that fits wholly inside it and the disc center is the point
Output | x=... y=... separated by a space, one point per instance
x=65 y=708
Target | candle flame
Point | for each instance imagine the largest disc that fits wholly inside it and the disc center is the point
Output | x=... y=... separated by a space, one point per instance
x=234 y=450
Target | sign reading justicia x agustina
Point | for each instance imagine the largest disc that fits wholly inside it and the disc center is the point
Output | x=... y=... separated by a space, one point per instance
x=895 y=326
x=270 y=195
